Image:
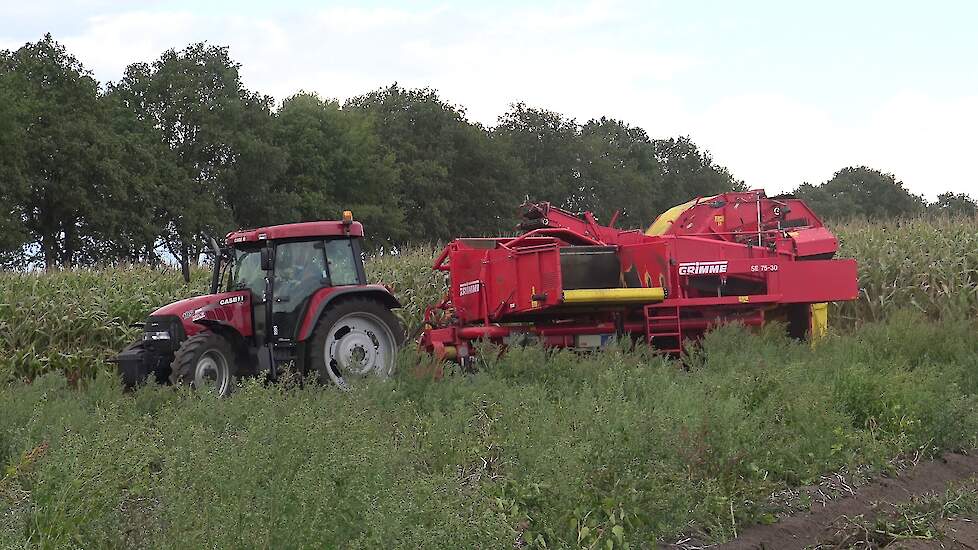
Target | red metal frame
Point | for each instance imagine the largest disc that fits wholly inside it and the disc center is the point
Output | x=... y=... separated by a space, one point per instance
x=739 y=256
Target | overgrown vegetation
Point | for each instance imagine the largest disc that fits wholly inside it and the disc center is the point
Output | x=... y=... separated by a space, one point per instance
x=929 y=264
x=551 y=449
x=72 y=321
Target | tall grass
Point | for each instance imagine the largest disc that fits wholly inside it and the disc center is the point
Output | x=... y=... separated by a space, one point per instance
x=542 y=449
x=538 y=448
x=414 y=283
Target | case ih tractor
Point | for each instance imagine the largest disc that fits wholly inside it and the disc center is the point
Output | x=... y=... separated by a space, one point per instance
x=292 y=293
x=568 y=281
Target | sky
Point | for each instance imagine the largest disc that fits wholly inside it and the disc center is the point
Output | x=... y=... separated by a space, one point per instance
x=779 y=92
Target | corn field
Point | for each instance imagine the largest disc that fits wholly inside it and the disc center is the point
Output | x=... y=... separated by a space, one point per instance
x=926 y=264
x=415 y=284
x=71 y=321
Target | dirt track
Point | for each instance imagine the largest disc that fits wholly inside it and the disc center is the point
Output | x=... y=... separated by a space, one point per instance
x=814 y=528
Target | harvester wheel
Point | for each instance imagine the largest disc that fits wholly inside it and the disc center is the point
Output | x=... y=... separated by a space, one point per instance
x=355 y=339
x=205 y=361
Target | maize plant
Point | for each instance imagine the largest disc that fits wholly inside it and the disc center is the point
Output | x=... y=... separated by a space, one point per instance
x=72 y=320
x=926 y=264
x=414 y=283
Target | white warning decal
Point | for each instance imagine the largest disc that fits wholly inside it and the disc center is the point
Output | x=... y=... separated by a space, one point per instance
x=470 y=287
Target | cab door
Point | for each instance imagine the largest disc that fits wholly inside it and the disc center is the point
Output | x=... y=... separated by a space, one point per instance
x=300 y=270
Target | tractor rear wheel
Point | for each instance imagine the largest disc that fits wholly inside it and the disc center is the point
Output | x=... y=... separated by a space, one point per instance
x=205 y=361
x=355 y=339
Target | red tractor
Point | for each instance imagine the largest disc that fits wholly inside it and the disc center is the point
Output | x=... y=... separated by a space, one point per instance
x=287 y=294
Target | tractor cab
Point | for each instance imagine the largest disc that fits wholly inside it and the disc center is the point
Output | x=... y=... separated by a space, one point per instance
x=288 y=264
x=299 y=269
x=293 y=294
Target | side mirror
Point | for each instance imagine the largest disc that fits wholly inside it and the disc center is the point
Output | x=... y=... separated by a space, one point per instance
x=267 y=259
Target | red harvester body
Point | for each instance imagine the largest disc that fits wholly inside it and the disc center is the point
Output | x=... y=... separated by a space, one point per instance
x=569 y=282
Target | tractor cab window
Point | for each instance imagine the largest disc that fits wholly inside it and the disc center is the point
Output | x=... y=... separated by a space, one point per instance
x=300 y=269
x=342 y=262
x=247 y=272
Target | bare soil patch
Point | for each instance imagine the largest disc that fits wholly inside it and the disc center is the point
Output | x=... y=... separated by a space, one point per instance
x=821 y=527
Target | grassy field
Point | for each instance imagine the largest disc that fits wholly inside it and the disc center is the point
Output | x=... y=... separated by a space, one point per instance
x=612 y=449
x=557 y=450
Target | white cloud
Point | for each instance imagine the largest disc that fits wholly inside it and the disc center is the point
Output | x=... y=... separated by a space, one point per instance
x=354 y=21
x=929 y=143
x=109 y=43
x=772 y=141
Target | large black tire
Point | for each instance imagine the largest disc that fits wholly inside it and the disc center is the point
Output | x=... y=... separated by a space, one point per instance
x=205 y=361
x=356 y=338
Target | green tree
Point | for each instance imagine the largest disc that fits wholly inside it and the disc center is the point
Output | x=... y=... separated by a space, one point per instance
x=954 y=204
x=488 y=198
x=688 y=172
x=13 y=156
x=251 y=181
x=75 y=194
x=335 y=162
x=548 y=147
x=606 y=165
x=216 y=129
x=860 y=191
x=451 y=179
x=148 y=167
x=619 y=172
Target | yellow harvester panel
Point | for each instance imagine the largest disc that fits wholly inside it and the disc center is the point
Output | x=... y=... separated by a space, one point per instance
x=666 y=219
x=614 y=295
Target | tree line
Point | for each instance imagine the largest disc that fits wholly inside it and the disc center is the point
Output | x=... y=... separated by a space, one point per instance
x=862 y=192
x=178 y=150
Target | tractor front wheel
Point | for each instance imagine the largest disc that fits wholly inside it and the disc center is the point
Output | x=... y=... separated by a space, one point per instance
x=205 y=361
x=355 y=339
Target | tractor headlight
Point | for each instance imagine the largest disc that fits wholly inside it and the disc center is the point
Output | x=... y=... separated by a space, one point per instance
x=156 y=335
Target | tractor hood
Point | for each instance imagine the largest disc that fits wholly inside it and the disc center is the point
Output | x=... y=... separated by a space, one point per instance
x=184 y=309
x=230 y=309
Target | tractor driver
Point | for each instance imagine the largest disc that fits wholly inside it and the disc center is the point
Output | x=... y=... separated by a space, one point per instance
x=304 y=270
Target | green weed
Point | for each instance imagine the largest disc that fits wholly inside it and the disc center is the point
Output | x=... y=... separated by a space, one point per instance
x=614 y=449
